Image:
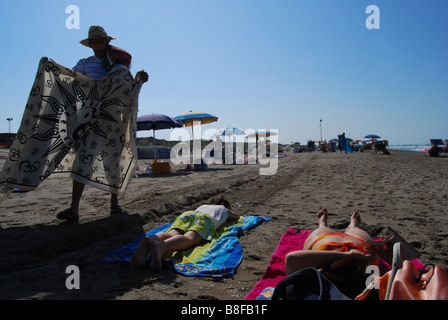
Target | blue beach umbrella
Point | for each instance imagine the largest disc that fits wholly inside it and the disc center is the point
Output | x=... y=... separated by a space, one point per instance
x=155 y=122
x=372 y=136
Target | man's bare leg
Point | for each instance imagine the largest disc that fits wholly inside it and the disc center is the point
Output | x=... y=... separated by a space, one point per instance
x=77 y=191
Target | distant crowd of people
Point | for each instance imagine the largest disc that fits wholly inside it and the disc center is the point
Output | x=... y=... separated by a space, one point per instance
x=343 y=144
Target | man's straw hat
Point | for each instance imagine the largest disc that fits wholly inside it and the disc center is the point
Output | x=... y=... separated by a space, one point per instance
x=96 y=32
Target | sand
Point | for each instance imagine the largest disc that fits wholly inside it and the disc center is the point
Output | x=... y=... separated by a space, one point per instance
x=404 y=191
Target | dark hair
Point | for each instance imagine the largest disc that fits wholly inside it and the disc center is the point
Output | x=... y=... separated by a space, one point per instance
x=349 y=279
x=219 y=200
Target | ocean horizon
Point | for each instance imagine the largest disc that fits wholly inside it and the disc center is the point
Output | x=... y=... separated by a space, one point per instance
x=419 y=147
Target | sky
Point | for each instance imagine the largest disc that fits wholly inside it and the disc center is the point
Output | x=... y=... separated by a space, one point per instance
x=255 y=64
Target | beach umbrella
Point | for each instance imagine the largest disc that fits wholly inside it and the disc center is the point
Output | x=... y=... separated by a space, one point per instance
x=293 y=144
x=266 y=133
x=189 y=119
x=192 y=118
x=229 y=131
x=372 y=136
x=155 y=122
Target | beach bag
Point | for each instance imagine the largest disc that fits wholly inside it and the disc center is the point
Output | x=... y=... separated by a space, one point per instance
x=406 y=282
x=159 y=168
x=410 y=283
x=307 y=284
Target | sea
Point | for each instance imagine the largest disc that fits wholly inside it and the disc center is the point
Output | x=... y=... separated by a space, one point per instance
x=411 y=147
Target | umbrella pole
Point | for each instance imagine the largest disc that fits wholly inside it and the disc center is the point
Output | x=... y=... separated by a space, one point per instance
x=154 y=143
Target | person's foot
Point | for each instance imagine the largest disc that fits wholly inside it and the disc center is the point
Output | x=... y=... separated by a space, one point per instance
x=355 y=221
x=322 y=216
x=68 y=214
x=114 y=209
x=156 y=256
x=139 y=258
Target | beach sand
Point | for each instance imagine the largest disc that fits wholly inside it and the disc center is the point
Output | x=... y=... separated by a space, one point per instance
x=404 y=191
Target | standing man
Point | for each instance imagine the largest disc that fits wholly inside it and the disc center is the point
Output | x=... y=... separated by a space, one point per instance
x=106 y=59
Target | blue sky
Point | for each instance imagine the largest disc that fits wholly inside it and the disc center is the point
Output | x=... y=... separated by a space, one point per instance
x=256 y=64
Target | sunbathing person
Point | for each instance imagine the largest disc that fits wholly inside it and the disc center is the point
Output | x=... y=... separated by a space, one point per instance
x=190 y=229
x=343 y=257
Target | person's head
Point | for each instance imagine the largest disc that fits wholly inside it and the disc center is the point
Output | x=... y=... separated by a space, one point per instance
x=220 y=200
x=98 y=40
x=349 y=279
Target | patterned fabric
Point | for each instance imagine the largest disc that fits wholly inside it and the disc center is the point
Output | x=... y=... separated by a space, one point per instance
x=74 y=126
x=195 y=221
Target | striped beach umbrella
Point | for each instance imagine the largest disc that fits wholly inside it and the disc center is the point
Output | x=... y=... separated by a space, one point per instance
x=191 y=118
x=261 y=134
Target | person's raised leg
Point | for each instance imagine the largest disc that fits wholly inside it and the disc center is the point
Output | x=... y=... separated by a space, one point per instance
x=354 y=228
x=323 y=228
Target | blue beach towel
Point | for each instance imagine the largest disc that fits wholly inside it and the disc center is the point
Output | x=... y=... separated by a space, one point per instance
x=218 y=257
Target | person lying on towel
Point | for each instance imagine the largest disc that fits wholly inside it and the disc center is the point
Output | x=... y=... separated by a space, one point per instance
x=343 y=257
x=188 y=230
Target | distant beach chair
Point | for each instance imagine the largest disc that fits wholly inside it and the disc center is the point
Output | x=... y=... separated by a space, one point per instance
x=380 y=146
x=311 y=146
x=439 y=148
x=437 y=142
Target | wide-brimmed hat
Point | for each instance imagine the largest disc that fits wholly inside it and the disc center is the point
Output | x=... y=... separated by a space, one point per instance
x=96 y=32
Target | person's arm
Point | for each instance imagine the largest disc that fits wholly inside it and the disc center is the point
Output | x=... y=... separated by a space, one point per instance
x=297 y=260
x=232 y=215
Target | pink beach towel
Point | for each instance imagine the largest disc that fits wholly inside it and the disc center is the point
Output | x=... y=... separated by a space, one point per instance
x=292 y=240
